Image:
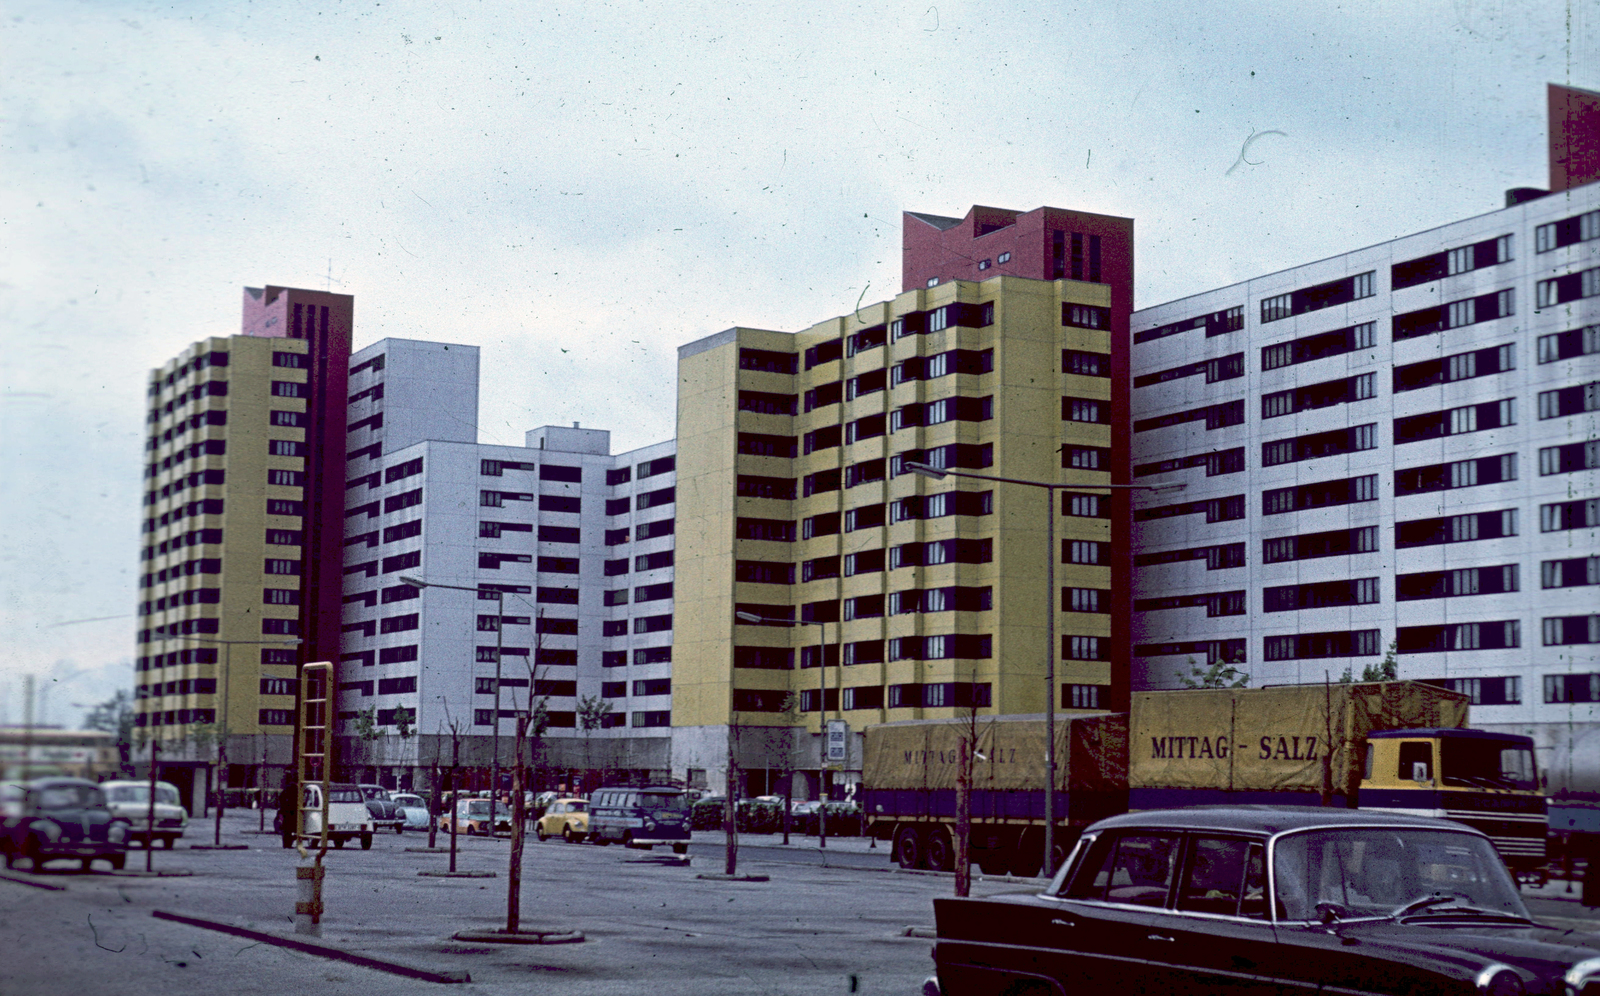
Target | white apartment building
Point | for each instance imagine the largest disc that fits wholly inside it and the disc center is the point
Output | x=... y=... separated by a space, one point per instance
x=547 y=565
x=1395 y=446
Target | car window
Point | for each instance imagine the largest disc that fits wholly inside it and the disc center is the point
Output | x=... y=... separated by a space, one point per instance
x=67 y=796
x=164 y=793
x=1373 y=872
x=663 y=800
x=1134 y=868
x=576 y=807
x=1224 y=875
x=345 y=794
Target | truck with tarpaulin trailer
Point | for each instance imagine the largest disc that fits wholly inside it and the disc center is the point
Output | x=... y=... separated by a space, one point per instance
x=1392 y=746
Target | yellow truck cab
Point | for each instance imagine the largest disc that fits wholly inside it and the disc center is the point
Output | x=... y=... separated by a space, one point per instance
x=1489 y=781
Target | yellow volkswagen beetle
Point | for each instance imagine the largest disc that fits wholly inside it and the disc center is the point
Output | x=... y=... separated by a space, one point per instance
x=567 y=817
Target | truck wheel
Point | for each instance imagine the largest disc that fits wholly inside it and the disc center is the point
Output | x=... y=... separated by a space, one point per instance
x=30 y=850
x=88 y=864
x=338 y=842
x=166 y=842
x=908 y=847
x=996 y=861
x=680 y=848
x=366 y=842
x=118 y=861
x=1028 y=857
x=940 y=850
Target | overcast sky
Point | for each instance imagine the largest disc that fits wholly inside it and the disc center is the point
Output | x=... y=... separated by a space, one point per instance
x=580 y=188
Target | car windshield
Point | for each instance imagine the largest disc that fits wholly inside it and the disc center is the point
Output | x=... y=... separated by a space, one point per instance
x=476 y=807
x=663 y=800
x=373 y=792
x=141 y=794
x=577 y=807
x=1368 y=872
x=408 y=800
x=68 y=796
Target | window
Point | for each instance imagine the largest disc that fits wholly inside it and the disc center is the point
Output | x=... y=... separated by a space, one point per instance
x=867 y=383
x=1566 y=345
x=1570 y=400
x=759 y=444
x=555 y=596
x=1133 y=868
x=1076 y=361
x=1316 y=298
x=653 y=561
x=286 y=478
x=284 y=537
x=1085 y=410
x=279 y=506
x=295 y=419
x=1569 y=515
x=399 y=624
x=554 y=565
x=653 y=592
x=768 y=361
x=397 y=655
x=1569 y=458
x=1085 y=316
x=1460 y=366
x=824 y=352
x=1217 y=558
x=1220 y=603
x=277 y=717
x=655 y=499
x=958 y=551
x=1085 y=648
x=1424 y=269
x=1317 y=646
x=763 y=572
x=765 y=658
x=863 y=562
x=1222 y=368
x=1309 y=546
x=651 y=468
x=288 y=627
x=277 y=686
x=620 y=475
x=558 y=534
x=1217 y=323
x=1217 y=462
x=1500 y=635
x=1460 y=474
x=1455 y=314
x=1326 y=394
x=1214 y=416
x=864 y=472
x=401 y=471
x=1572 y=287
x=1325 y=594
x=395 y=503
x=945 y=503
x=1558 y=234
x=769 y=530
x=1215 y=510
x=1455 y=421
x=1316 y=445
x=819 y=569
x=1086 y=506
x=824 y=395
x=1573 y=573
x=280 y=596
x=614 y=506
x=1455 y=528
x=1449 y=584
x=1085 y=552
x=864 y=517
x=764 y=403
x=1572 y=688
x=285 y=447
x=614 y=537
x=560 y=503
x=288 y=389
x=1566 y=631
x=281 y=567
x=1085 y=696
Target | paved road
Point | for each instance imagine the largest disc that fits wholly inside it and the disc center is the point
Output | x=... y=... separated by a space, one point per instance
x=830 y=928
x=651 y=927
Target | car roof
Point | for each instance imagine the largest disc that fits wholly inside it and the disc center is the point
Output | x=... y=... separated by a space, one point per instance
x=1269 y=819
x=1451 y=733
x=47 y=782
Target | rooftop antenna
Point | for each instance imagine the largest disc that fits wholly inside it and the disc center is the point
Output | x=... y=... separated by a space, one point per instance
x=330 y=279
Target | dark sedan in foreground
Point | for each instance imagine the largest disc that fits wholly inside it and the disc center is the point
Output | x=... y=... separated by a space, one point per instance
x=1244 y=900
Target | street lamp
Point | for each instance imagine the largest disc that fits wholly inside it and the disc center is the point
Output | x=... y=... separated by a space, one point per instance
x=499 y=639
x=1050 y=489
x=822 y=708
x=222 y=735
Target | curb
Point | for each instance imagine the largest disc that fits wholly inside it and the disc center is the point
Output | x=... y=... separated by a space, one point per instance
x=153 y=873
x=219 y=847
x=49 y=886
x=458 y=874
x=521 y=936
x=723 y=877
x=321 y=950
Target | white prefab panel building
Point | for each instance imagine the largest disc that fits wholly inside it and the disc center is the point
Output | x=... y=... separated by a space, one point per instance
x=1396 y=446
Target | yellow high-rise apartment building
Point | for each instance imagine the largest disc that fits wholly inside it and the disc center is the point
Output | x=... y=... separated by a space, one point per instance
x=240 y=561
x=1001 y=357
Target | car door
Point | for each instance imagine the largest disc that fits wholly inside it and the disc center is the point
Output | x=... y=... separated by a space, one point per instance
x=1216 y=937
x=1099 y=928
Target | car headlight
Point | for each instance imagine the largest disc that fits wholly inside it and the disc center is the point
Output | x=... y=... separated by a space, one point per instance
x=1499 y=980
x=118 y=833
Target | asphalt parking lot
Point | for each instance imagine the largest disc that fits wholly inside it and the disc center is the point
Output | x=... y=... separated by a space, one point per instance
x=649 y=924
x=831 y=921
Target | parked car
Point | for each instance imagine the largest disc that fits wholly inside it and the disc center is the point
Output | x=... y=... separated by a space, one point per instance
x=50 y=818
x=413 y=811
x=640 y=817
x=566 y=818
x=706 y=812
x=1181 y=901
x=348 y=816
x=381 y=805
x=130 y=800
x=472 y=817
x=845 y=819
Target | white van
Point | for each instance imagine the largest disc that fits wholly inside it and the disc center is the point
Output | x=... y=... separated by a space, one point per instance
x=348 y=816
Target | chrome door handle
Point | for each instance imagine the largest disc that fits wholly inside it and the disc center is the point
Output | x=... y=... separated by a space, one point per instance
x=1160 y=937
x=1058 y=922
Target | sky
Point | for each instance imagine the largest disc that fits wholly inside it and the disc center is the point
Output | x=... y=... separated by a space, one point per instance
x=579 y=188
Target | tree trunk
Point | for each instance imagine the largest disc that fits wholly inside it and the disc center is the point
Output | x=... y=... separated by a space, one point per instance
x=730 y=822
x=964 y=817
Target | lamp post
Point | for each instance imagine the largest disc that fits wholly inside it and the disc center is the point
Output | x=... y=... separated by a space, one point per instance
x=1050 y=489
x=222 y=733
x=499 y=630
x=822 y=707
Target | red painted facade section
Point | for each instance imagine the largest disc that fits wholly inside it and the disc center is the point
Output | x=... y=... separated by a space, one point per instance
x=970 y=248
x=325 y=321
x=1574 y=135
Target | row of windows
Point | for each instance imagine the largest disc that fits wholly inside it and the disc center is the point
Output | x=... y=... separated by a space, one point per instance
x=906 y=696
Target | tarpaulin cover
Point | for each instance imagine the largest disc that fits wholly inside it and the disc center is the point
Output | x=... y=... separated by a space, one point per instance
x=1091 y=753
x=1274 y=739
